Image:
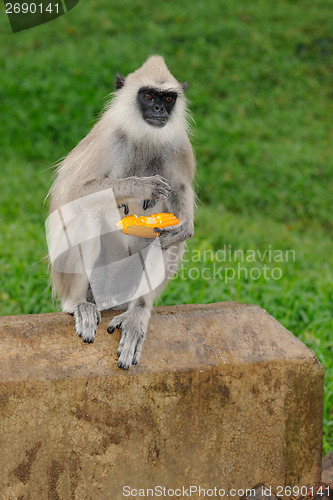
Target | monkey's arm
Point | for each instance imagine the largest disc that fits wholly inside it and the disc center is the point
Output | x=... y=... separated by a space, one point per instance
x=181 y=204
x=129 y=188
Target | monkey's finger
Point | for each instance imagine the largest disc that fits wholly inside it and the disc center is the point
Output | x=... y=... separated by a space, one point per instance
x=158 y=179
x=162 y=188
x=125 y=207
x=166 y=186
x=149 y=204
x=168 y=229
x=161 y=193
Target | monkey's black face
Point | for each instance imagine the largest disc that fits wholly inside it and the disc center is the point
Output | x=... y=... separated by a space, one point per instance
x=156 y=106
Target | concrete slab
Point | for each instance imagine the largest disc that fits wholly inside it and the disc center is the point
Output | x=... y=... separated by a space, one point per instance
x=224 y=397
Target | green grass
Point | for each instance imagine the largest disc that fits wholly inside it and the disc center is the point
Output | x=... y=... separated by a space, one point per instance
x=261 y=92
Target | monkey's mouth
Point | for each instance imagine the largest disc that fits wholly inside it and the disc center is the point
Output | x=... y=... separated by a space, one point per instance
x=156 y=121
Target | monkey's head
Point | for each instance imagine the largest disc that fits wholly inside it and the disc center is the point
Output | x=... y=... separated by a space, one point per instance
x=152 y=101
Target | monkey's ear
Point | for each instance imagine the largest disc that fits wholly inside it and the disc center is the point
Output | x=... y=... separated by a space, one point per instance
x=185 y=86
x=120 y=80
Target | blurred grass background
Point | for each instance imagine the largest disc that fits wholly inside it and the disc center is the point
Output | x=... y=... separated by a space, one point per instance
x=261 y=93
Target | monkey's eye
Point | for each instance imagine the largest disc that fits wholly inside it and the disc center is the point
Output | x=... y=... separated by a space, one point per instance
x=148 y=96
x=168 y=98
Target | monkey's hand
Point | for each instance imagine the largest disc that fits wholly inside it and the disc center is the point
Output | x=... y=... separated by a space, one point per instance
x=150 y=189
x=173 y=235
x=153 y=188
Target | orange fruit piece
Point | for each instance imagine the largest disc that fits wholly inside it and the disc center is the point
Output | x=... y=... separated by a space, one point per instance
x=143 y=225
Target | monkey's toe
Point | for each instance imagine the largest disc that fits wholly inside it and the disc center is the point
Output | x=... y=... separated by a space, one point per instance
x=111 y=328
x=123 y=365
x=116 y=322
x=125 y=359
x=89 y=340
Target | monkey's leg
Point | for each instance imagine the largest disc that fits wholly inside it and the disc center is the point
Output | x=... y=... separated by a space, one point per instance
x=181 y=204
x=73 y=287
x=134 y=321
x=74 y=301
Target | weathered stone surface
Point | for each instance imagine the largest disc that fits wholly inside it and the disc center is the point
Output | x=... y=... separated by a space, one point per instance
x=327 y=469
x=224 y=397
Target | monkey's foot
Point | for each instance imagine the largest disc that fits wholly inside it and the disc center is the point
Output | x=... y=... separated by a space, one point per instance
x=132 y=337
x=87 y=317
x=130 y=346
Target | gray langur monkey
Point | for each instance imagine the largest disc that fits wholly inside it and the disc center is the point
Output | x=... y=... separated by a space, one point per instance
x=140 y=149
